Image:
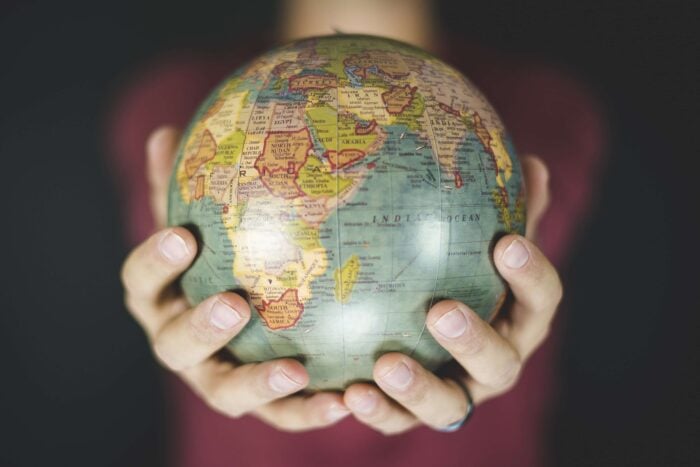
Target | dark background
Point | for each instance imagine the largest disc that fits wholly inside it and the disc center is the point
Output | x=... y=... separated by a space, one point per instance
x=78 y=384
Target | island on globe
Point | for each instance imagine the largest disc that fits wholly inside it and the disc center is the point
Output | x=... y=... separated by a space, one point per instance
x=344 y=184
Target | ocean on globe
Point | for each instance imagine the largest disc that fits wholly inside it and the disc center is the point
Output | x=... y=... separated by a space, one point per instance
x=344 y=184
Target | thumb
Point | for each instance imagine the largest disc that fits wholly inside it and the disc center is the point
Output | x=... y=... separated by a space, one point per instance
x=536 y=178
x=160 y=154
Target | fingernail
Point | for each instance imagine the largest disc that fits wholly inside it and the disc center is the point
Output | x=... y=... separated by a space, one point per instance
x=173 y=247
x=223 y=316
x=281 y=382
x=516 y=255
x=452 y=324
x=399 y=377
x=366 y=404
x=336 y=413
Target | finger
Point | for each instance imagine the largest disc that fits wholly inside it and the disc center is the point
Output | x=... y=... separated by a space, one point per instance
x=486 y=355
x=235 y=391
x=434 y=401
x=150 y=268
x=301 y=413
x=376 y=410
x=195 y=335
x=160 y=152
x=536 y=288
x=536 y=177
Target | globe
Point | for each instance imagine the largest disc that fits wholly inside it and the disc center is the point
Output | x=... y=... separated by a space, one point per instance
x=344 y=185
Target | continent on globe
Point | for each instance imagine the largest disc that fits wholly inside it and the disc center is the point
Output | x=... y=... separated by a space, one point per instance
x=345 y=184
x=282 y=156
x=283 y=312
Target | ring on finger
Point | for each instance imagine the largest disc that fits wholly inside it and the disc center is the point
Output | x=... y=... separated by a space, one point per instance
x=470 y=409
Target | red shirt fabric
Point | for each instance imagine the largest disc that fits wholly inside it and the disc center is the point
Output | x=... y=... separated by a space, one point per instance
x=546 y=112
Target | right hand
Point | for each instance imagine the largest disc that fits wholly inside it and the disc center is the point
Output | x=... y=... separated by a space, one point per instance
x=186 y=340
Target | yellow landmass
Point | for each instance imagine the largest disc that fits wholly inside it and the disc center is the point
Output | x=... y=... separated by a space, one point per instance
x=289 y=278
x=345 y=278
x=216 y=139
x=302 y=234
x=317 y=181
x=503 y=160
x=231 y=116
x=228 y=151
x=321 y=114
x=349 y=139
x=492 y=141
x=203 y=150
x=501 y=202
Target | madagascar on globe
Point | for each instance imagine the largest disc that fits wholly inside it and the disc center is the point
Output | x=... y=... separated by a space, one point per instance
x=344 y=184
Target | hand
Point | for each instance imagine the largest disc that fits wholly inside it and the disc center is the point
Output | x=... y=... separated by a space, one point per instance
x=187 y=340
x=489 y=356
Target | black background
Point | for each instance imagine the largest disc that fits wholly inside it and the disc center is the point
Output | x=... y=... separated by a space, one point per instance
x=78 y=386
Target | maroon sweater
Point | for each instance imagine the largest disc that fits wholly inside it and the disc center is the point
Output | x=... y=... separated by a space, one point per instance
x=546 y=113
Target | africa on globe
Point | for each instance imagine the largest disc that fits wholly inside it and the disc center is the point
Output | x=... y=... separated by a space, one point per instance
x=344 y=184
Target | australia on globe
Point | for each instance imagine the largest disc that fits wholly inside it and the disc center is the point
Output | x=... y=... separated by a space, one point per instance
x=344 y=184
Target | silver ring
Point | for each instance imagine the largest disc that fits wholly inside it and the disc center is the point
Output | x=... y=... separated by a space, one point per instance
x=470 y=409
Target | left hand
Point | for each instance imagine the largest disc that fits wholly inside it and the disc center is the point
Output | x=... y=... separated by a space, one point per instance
x=491 y=356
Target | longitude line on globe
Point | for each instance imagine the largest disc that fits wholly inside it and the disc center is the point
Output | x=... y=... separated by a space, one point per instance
x=433 y=148
x=337 y=219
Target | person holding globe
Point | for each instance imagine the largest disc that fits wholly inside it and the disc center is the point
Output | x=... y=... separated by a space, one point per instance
x=404 y=398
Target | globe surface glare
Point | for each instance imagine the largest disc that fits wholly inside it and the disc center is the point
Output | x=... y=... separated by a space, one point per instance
x=345 y=184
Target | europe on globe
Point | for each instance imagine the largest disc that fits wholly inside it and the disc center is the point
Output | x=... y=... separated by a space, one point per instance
x=344 y=184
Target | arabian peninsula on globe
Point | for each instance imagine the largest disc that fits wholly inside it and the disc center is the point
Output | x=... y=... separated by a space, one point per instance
x=345 y=184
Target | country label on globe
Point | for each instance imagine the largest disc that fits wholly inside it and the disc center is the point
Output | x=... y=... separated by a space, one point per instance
x=344 y=184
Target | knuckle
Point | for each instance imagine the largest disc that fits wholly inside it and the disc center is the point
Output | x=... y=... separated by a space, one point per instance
x=387 y=421
x=539 y=338
x=551 y=300
x=297 y=426
x=545 y=277
x=315 y=419
x=283 y=426
x=417 y=393
x=135 y=309
x=474 y=343
x=508 y=377
x=169 y=359
x=558 y=292
x=128 y=278
x=130 y=303
x=535 y=271
x=199 y=332
x=546 y=286
x=396 y=428
x=221 y=401
x=446 y=418
x=544 y=334
x=379 y=419
x=124 y=273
